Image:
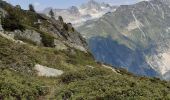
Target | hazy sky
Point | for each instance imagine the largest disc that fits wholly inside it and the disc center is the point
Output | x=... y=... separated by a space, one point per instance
x=41 y=4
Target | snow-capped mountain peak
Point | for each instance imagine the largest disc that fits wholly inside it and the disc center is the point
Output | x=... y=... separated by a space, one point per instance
x=91 y=5
x=87 y=11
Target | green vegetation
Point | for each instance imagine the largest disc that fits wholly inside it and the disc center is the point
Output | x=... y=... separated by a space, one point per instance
x=83 y=78
x=14 y=86
x=114 y=87
x=12 y=22
x=15 y=56
x=18 y=18
x=47 y=40
x=79 y=80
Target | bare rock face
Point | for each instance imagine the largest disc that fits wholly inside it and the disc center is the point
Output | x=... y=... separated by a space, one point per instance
x=27 y=34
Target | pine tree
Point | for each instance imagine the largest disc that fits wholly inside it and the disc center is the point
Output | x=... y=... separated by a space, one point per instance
x=65 y=26
x=60 y=19
x=31 y=8
x=51 y=13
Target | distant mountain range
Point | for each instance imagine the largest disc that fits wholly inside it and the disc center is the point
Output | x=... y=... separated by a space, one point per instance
x=78 y=15
x=136 y=37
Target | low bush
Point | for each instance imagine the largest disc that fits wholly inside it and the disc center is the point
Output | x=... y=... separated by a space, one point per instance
x=47 y=40
x=72 y=76
x=113 y=87
x=14 y=86
x=11 y=23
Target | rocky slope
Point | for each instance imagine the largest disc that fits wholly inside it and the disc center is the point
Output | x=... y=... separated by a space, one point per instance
x=35 y=29
x=142 y=28
x=33 y=66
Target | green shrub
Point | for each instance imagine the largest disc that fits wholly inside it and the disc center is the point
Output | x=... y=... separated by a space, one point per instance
x=60 y=19
x=65 y=26
x=31 y=8
x=11 y=23
x=47 y=40
x=111 y=87
x=14 y=86
x=72 y=76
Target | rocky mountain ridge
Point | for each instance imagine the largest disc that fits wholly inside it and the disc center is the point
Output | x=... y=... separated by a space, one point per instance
x=142 y=28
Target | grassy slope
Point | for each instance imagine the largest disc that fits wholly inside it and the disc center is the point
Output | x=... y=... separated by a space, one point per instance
x=78 y=81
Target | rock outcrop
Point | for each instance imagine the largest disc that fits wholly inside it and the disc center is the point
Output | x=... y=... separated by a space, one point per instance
x=27 y=34
x=47 y=72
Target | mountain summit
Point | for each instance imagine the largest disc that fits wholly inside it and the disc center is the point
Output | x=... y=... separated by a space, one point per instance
x=91 y=4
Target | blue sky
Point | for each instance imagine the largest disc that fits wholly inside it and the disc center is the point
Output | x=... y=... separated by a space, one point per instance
x=41 y=4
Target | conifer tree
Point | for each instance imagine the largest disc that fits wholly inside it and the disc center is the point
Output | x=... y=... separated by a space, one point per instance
x=31 y=8
x=51 y=13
